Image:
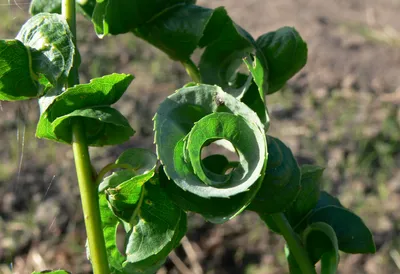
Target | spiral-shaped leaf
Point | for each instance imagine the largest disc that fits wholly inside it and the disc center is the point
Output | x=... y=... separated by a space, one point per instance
x=192 y=118
x=50 y=38
x=90 y=103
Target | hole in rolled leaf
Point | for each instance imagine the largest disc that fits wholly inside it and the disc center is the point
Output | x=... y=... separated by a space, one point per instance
x=120 y=238
x=220 y=157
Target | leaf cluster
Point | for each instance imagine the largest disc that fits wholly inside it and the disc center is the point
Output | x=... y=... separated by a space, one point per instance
x=223 y=103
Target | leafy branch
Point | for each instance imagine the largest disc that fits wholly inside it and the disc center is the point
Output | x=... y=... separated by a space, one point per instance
x=222 y=103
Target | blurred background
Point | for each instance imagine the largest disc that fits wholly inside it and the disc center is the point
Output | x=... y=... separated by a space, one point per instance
x=341 y=111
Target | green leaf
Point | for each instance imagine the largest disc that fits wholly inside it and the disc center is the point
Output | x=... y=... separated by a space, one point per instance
x=253 y=100
x=281 y=182
x=306 y=201
x=226 y=48
x=308 y=196
x=158 y=221
x=123 y=188
x=352 y=234
x=17 y=80
x=116 y=178
x=325 y=199
x=321 y=244
x=259 y=71
x=116 y=17
x=103 y=126
x=192 y=118
x=90 y=101
x=52 y=272
x=177 y=31
x=53 y=51
x=286 y=54
x=157 y=228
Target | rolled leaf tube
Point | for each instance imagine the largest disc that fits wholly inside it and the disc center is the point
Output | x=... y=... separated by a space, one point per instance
x=192 y=118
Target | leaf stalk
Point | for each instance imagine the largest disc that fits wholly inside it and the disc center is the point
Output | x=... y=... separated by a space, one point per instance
x=192 y=70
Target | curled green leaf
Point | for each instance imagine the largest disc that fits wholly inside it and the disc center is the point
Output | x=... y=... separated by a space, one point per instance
x=192 y=118
x=321 y=244
x=157 y=228
x=281 y=183
x=286 y=54
x=17 y=80
x=51 y=40
x=104 y=125
x=227 y=44
x=352 y=234
x=123 y=188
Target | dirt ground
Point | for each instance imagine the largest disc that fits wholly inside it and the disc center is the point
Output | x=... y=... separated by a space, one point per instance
x=341 y=111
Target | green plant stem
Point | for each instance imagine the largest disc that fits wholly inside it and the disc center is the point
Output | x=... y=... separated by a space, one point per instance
x=87 y=188
x=69 y=13
x=294 y=244
x=192 y=70
x=90 y=201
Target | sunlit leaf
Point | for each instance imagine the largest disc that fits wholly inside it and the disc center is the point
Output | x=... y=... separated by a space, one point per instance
x=17 y=80
x=156 y=228
x=87 y=100
x=52 y=45
x=102 y=125
x=194 y=117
